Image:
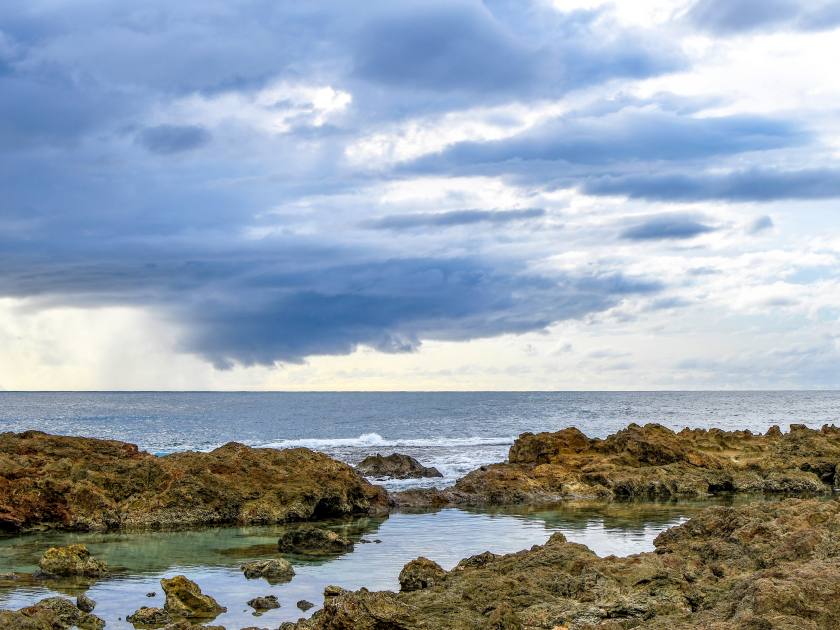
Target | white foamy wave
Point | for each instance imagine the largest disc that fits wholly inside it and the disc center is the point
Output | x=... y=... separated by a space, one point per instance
x=374 y=440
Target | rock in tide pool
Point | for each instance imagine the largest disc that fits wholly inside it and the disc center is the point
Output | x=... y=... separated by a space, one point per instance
x=72 y=560
x=396 y=466
x=420 y=573
x=148 y=617
x=761 y=566
x=85 y=603
x=53 y=613
x=312 y=540
x=275 y=570
x=50 y=481
x=305 y=605
x=185 y=599
x=267 y=602
x=649 y=461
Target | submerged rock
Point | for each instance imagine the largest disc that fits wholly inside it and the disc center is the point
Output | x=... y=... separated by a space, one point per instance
x=53 y=613
x=148 y=617
x=396 y=466
x=185 y=599
x=85 y=603
x=72 y=560
x=649 y=461
x=312 y=540
x=420 y=573
x=267 y=602
x=768 y=566
x=50 y=481
x=275 y=570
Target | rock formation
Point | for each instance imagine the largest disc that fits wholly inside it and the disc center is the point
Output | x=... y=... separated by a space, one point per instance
x=275 y=570
x=649 y=462
x=49 y=481
x=184 y=599
x=311 y=540
x=72 y=560
x=766 y=565
x=396 y=466
x=53 y=613
x=420 y=573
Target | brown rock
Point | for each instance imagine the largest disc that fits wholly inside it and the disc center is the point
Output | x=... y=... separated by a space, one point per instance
x=49 y=481
x=396 y=466
x=420 y=573
x=85 y=603
x=312 y=540
x=185 y=599
x=53 y=613
x=275 y=570
x=147 y=617
x=267 y=602
x=71 y=560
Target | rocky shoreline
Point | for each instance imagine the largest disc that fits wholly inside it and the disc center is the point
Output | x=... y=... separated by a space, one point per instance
x=758 y=566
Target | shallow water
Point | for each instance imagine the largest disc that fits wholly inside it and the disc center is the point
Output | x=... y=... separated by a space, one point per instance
x=454 y=431
x=212 y=556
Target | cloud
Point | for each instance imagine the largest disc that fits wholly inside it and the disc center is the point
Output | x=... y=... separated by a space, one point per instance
x=738 y=16
x=628 y=135
x=666 y=227
x=761 y=224
x=452 y=218
x=748 y=185
x=169 y=139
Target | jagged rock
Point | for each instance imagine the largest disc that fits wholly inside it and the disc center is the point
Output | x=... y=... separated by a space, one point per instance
x=305 y=605
x=649 y=462
x=766 y=565
x=396 y=466
x=71 y=560
x=420 y=573
x=267 y=602
x=331 y=590
x=50 y=481
x=312 y=540
x=85 y=603
x=53 y=613
x=147 y=617
x=185 y=599
x=275 y=570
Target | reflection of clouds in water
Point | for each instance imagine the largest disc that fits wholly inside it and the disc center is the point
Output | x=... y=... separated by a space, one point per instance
x=210 y=556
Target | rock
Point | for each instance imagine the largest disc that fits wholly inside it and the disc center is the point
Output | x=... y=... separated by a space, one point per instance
x=396 y=466
x=267 y=602
x=332 y=590
x=305 y=605
x=73 y=560
x=85 y=603
x=420 y=573
x=151 y=594
x=60 y=482
x=53 y=613
x=650 y=462
x=185 y=599
x=312 y=540
x=767 y=565
x=147 y=617
x=275 y=570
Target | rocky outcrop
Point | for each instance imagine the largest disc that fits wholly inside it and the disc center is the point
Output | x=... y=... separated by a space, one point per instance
x=72 y=560
x=53 y=613
x=184 y=599
x=395 y=466
x=304 y=605
x=49 y=481
x=275 y=570
x=85 y=603
x=149 y=617
x=419 y=574
x=266 y=602
x=650 y=461
x=311 y=540
x=767 y=565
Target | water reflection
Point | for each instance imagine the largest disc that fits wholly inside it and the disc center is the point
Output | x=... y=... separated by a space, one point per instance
x=212 y=557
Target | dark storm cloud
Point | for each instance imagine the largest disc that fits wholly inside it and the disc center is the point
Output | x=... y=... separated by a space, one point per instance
x=452 y=218
x=749 y=185
x=624 y=136
x=673 y=226
x=737 y=16
x=168 y=139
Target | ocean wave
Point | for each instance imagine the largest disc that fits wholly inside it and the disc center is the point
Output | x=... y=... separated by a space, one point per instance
x=371 y=440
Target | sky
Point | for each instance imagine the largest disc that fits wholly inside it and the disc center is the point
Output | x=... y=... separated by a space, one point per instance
x=419 y=195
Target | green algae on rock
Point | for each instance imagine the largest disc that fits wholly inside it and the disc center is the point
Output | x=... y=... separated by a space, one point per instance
x=72 y=560
x=49 y=481
x=53 y=613
x=274 y=571
x=767 y=565
x=185 y=599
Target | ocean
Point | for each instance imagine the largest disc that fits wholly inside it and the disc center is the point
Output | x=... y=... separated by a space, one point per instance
x=453 y=431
